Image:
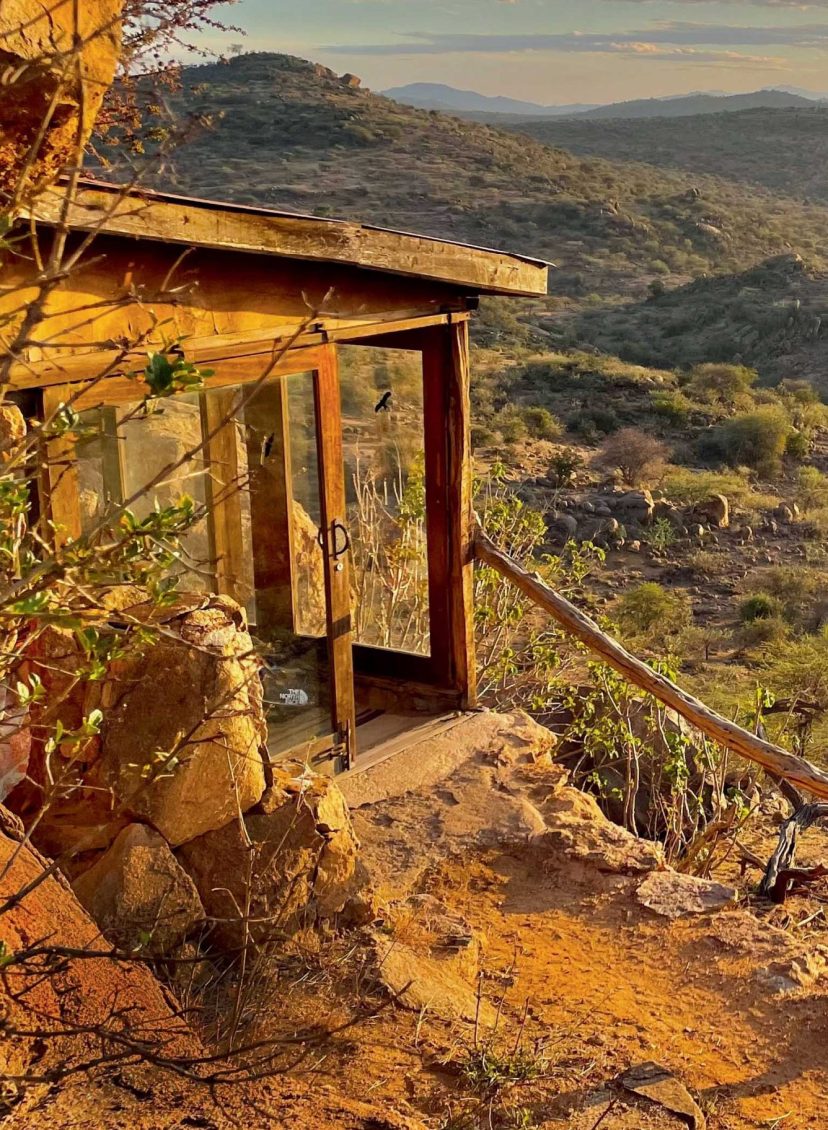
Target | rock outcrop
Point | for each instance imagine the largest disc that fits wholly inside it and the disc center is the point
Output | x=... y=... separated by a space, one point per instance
x=181 y=743
x=290 y=861
x=139 y=895
x=77 y=993
x=59 y=54
x=715 y=511
x=195 y=697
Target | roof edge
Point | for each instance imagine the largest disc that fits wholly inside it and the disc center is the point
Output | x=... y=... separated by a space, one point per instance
x=164 y=217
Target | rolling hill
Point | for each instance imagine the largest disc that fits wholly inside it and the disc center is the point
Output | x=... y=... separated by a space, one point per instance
x=438 y=96
x=692 y=104
x=481 y=107
x=770 y=317
x=293 y=135
x=783 y=150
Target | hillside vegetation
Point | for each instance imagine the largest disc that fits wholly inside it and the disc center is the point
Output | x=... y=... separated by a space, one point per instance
x=293 y=135
x=785 y=150
x=771 y=317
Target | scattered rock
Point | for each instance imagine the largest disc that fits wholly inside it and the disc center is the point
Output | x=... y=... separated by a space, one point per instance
x=715 y=510
x=139 y=895
x=428 y=984
x=565 y=524
x=635 y=506
x=660 y=1086
x=292 y=860
x=578 y=829
x=673 y=895
x=669 y=512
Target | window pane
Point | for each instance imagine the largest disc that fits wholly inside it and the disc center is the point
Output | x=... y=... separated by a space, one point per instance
x=382 y=406
x=124 y=450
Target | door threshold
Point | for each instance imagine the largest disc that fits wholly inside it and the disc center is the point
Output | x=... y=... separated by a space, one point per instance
x=388 y=734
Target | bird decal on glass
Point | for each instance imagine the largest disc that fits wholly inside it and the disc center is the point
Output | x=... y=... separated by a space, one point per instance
x=383 y=404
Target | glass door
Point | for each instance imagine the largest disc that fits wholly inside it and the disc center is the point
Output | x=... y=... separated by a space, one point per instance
x=288 y=601
x=269 y=482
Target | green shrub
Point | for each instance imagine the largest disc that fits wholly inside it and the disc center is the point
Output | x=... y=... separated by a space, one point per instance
x=563 y=465
x=798 y=446
x=688 y=486
x=801 y=592
x=662 y=534
x=761 y=633
x=511 y=425
x=812 y=489
x=755 y=439
x=720 y=384
x=800 y=669
x=541 y=424
x=672 y=406
x=652 y=606
x=594 y=422
x=760 y=606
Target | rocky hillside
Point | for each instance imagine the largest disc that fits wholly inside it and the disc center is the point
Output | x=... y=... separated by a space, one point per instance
x=785 y=150
x=770 y=317
x=293 y=135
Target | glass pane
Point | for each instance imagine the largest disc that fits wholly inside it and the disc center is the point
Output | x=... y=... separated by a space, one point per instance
x=289 y=608
x=384 y=448
x=257 y=478
x=125 y=449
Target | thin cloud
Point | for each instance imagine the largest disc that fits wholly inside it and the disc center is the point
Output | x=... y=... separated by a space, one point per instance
x=701 y=43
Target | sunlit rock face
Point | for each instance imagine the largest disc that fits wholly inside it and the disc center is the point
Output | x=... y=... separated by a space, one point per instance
x=46 y=80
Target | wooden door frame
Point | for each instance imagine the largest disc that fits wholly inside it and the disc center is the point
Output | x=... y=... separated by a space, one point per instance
x=449 y=477
x=336 y=548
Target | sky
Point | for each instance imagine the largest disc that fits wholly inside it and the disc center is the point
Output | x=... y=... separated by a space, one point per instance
x=550 y=51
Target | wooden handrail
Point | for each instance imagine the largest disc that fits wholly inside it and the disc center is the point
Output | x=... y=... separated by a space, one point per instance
x=774 y=759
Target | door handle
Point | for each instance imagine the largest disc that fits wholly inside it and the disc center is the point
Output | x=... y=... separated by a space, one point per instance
x=338 y=550
x=337 y=528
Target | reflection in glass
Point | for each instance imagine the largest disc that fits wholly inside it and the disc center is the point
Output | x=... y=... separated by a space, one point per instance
x=124 y=448
x=384 y=448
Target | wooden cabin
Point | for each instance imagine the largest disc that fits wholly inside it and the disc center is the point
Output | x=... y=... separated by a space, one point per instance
x=333 y=456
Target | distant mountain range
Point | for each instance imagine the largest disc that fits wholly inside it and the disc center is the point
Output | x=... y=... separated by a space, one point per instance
x=693 y=104
x=436 y=96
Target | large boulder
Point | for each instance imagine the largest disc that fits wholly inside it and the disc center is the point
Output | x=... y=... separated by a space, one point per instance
x=715 y=511
x=636 y=506
x=181 y=744
x=72 y=994
x=289 y=862
x=184 y=731
x=58 y=56
x=139 y=895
